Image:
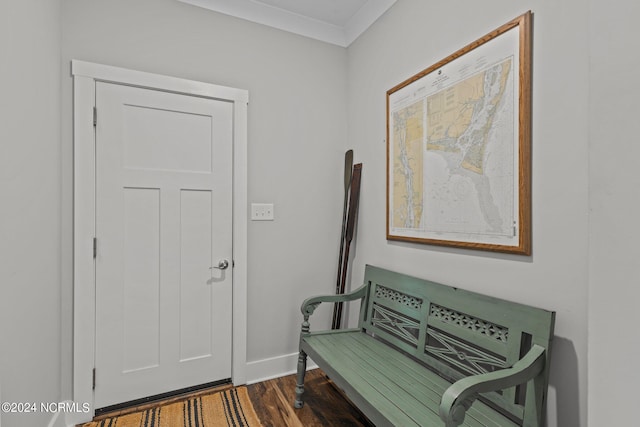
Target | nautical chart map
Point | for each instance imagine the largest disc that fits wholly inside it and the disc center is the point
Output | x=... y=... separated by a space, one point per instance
x=453 y=152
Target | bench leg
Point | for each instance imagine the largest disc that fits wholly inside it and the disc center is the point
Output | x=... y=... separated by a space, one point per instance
x=302 y=370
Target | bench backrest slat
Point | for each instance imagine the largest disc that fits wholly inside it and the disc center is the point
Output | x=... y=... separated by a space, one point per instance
x=455 y=332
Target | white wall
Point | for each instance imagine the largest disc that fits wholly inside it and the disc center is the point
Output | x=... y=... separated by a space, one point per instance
x=29 y=206
x=614 y=277
x=297 y=127
x=415 y=34
x=301 y=95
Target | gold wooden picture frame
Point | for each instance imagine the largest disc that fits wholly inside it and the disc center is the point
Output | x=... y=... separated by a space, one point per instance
x=459 y=147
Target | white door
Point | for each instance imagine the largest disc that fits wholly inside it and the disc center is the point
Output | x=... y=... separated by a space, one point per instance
x=163 y=220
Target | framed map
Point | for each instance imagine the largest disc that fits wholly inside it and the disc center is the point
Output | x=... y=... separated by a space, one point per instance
x=459 y=144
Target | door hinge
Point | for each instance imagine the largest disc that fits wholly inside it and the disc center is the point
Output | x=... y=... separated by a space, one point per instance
x=95 y=248
x=95 y=116
x=94 y=379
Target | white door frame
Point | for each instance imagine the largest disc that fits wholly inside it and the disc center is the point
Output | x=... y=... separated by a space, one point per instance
x=85 y=75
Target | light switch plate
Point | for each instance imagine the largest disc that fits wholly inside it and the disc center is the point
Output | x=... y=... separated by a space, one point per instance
x=262 y=212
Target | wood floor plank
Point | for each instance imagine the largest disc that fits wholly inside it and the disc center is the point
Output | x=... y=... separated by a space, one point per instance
x=324 y=405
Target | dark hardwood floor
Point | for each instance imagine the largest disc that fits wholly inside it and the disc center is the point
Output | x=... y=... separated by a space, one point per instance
x=324 y=404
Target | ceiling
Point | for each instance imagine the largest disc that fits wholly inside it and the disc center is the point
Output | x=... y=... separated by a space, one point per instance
x=339 y=22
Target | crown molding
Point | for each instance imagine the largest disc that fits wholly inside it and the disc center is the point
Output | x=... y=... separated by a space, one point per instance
x=261 y=13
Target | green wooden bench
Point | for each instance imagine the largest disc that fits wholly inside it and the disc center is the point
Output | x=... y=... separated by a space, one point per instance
x=426 y=354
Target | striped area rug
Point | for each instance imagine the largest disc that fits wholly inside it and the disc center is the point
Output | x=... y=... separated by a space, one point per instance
x=227 y=408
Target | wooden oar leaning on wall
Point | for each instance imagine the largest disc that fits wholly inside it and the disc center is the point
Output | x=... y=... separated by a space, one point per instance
x=349 y=220
x=348 y=173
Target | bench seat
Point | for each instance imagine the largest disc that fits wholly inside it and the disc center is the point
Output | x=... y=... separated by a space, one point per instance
x=429 y=355
x=395 y=387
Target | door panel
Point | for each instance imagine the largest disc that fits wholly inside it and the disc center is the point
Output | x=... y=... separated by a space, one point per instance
x=145 y=126
x=163 y=218
x=196 y=243
x=141 y=279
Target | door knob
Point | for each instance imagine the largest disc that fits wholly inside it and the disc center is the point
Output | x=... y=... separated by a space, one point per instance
x=222 y=265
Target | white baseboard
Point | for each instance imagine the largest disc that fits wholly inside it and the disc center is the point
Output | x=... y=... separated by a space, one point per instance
x=56 y=421
x=65 y=419
x=274 y=367
x=70 y=414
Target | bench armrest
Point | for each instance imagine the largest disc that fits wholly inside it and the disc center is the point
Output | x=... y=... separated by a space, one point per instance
x=310 y=304
x=459 y=397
